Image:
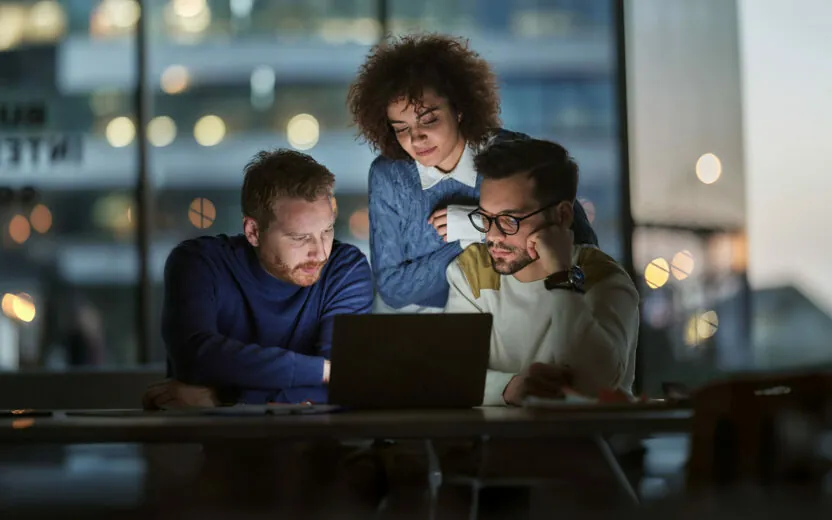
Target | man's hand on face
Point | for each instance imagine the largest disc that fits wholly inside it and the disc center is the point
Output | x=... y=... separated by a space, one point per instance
x=171 y=393
x=439 y=220
x=539 y=380
x=552 y=246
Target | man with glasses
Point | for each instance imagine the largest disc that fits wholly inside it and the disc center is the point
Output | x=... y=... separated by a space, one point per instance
x=565 y=315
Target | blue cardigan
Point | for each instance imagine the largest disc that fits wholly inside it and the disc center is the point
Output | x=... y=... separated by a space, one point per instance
x=408 y=257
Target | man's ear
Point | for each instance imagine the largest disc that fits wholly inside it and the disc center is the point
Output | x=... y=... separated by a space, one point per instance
x=252 y=231
x=565 y=213
x=334 y=203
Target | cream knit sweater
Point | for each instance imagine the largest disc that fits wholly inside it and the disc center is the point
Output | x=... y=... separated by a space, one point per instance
x=595 y=333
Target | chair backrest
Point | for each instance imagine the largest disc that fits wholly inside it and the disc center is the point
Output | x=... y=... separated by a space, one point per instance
x=90 y=389
x=744 y=430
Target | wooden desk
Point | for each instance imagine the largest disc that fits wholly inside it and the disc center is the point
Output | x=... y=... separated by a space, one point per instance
x=495 y=422
x=245 y=459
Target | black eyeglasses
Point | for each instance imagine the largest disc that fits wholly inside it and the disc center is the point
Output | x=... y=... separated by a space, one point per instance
x=508 y=224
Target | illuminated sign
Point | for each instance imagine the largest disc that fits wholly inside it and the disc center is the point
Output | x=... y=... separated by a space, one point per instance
x=26 y=143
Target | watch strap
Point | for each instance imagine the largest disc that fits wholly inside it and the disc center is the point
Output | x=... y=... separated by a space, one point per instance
x=564 y=280
x=558 y=278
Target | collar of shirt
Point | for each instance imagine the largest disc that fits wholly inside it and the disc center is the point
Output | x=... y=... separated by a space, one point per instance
x=464 y=172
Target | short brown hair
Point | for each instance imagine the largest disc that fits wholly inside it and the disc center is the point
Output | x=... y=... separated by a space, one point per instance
x=271 y=175
x=554 y=171
x=405 y=68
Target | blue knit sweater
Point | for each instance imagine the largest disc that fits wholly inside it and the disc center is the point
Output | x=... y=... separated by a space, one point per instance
x=229 y=324
x=408 y=257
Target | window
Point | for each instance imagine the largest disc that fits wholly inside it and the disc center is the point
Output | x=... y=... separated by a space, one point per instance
x=227 y=79
x=68 y=251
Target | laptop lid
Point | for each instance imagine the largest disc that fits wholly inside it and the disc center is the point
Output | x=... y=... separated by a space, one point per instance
x=409 y=360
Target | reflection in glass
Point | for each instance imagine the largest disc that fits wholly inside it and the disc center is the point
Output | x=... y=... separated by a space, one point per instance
x=175 y=79
x=656 y=273
x=161 y=131
x=120 y=132
x=12 y=25
x=19 y=307
x=303 y=131
x=708 y=168
x=202 y=213
x=209 y=130
x=41 y=218
x=19 y=229
x=113 y=18
x=242 y=76
x=682 y=264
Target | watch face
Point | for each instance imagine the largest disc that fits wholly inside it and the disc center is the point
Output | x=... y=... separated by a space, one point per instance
x=576 y=276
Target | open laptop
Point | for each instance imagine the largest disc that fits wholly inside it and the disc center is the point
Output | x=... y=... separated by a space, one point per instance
x=409 y=360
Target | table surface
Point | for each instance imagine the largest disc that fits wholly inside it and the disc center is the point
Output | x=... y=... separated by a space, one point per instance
x=135 y=426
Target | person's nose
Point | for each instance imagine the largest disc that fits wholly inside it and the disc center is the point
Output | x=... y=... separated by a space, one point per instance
x=494 y=234
x=317 y=250
x=417 y=135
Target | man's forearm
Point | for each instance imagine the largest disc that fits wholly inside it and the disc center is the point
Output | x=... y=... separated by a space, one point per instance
x=217 y=361
x=596 y=331
x=303 y=394
x=495 y=385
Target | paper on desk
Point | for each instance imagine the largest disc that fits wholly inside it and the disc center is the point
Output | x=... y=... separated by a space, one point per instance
x=606 y=396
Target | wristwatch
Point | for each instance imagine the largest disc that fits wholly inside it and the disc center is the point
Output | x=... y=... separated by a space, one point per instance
x=572 y=280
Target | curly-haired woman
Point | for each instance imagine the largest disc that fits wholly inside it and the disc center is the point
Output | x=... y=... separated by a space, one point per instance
x=427 y=104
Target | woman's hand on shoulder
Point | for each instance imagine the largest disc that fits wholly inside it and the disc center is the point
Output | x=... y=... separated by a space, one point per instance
x=439 y=220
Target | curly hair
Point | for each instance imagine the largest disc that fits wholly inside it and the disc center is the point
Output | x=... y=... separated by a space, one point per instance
x=404 y=68
x=271 y=175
